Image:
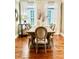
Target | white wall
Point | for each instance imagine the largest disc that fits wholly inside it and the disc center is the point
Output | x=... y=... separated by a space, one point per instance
x=58 y=16
x=41 y=5
x=16 y=22
x=63 y=18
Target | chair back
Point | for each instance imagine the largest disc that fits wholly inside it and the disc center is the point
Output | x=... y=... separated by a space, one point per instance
x=41 y=33
x=53 y=27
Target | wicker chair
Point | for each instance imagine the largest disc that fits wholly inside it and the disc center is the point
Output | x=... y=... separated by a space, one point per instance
x=41 y=37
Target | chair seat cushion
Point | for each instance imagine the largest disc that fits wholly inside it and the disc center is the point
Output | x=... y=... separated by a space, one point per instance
x=41 y=41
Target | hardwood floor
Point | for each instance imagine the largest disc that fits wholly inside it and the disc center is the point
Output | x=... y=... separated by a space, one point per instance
x=23 y=52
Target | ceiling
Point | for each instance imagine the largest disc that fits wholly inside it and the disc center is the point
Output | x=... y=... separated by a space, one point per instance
x=32 y=0
x=39 y=0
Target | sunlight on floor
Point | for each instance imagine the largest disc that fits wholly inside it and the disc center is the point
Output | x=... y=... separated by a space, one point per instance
x=25 y=51
x=55 y=52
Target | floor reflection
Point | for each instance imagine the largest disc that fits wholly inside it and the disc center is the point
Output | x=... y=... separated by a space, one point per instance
x=23 y=51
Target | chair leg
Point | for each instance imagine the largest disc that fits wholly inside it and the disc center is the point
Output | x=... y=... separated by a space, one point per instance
x=45 y=49
x=36 y=48
x=29 y=44
x=51 y=42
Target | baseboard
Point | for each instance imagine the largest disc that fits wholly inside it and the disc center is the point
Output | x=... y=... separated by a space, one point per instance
x=59 y=34
x=56 y=33
x=16 y=36
x=62 y=34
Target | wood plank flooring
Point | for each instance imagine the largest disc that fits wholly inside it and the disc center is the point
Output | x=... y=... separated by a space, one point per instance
x=23 y=52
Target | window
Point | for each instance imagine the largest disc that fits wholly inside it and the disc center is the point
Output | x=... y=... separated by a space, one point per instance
x=31 y=15
x=50 y=14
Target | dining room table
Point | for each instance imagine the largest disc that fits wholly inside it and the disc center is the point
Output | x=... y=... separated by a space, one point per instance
x=34 y=28
x=32 y=33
